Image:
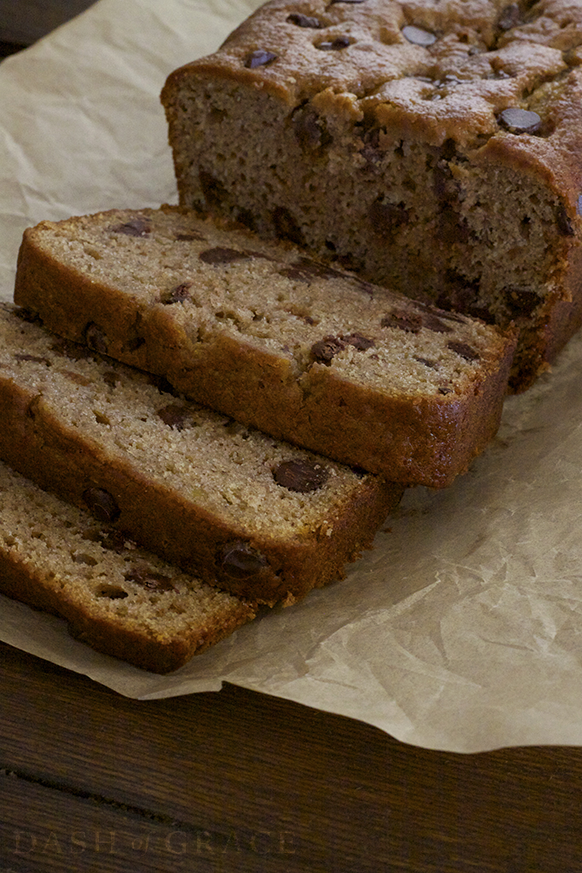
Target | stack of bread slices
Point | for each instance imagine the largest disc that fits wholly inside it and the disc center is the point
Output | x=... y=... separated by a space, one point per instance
x=247 y=414
x=201 y=421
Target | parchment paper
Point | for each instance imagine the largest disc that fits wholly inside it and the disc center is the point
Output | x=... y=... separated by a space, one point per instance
x=462 y=629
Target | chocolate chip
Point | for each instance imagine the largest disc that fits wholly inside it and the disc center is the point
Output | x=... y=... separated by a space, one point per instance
x=464 y=350
x=161 y=383
x=295 y=274
x=563 y=221
x=240 y=561
x=176 y=415
x=315 y=268
x=462 y=295
x=286 y=227
x=430 y=309
x=387 y=217
x=177 y=294
x=214 y=191
x=113 y=539
x=359 y=342
x=147 y=578
x=303 y=20
x=305 y=270
x=521 y=301
x=259 y=58
x=434 y=323
x=417 y=35
x=443 y=183
x=452 y=228
x=95 y=338
x=111 y=378
x=33 y=359
x=325 y=350
x=517 y=120
x=410 y=322
x=300 y=475
x=219 y=255
x=340 y=42
x=309 y=128
x=135 y=227
x=101 y=504
x=246 y=217
x=371 y=150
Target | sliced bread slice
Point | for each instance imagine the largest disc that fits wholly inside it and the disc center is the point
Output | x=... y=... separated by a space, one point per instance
x=277 y=341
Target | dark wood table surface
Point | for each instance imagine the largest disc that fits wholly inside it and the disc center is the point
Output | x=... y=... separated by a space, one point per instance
x=237 y=781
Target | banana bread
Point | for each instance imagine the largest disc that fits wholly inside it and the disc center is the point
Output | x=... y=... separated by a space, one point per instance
x=258 y=331
x=115 y=597
x=434 y=147
x=248 y=514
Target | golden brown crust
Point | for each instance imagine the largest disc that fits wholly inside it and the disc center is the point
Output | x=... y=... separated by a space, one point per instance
x=411 y=435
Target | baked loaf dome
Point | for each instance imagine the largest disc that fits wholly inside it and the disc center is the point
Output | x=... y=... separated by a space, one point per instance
x=246 y=513
x=276 y=340
x=435 y=147
x=115 y=597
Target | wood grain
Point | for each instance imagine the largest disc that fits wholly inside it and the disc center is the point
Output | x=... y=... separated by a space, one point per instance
x=24 y=21
x=240 y=781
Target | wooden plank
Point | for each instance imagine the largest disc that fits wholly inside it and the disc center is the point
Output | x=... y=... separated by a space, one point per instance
x=43 y=829
x=236 y=761
x=24 y=21
x=336 y=794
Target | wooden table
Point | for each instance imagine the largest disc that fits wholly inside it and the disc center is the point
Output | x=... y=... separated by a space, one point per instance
x=24 y=21
x=237 y=781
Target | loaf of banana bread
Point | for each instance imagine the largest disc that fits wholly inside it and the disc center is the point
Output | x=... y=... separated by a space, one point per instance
x=435 y=147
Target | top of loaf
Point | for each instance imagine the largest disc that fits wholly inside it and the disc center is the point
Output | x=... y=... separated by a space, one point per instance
x=461 y=69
